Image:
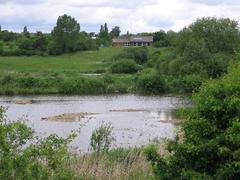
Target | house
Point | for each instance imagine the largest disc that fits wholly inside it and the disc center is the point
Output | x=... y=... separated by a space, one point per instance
x=132 y=41
x=92 y=35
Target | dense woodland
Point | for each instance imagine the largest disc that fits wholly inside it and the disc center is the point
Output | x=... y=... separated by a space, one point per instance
x=202 y=60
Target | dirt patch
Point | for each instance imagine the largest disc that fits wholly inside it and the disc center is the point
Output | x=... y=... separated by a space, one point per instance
x=127 y=110
x=70 y=117
x=22 y=101
x=175 y=122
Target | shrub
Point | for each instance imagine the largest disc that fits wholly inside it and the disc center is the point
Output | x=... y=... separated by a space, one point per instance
x=26 y=44
x=186 y=84
x=83 y=86
x=217 y=65
x=141 y=55
x=1 y=47
x=211 y=142
x=20 y=159
x=138 y=54
x=31 y=82
x=150 y=83
x=124 y=66
x=126 y=53
x=7 y=79
x=102 y=138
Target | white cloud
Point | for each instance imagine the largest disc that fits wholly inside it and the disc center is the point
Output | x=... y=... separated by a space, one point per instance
x=209 y=2
x=132 y=15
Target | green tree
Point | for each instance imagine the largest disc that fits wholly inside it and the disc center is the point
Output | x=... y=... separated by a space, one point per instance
x=220 y=35
x=115 y=32
x=65 y=35
x=1 y=47
x=196 y=51
x=160 y=39
x=25 y=32
x=106 y=27
x=103 y=36
x=26 y=43
x=40 y=42
x=25 y=29
x=210 y=146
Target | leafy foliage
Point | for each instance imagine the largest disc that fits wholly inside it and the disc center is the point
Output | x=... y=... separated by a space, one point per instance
x=150 y=82
x=102 y=138
x=211 y=135
x=140 y=55
x=65 y=35
x=124 y=66
x=219 y=35
x=115 y=32
x=21 y=159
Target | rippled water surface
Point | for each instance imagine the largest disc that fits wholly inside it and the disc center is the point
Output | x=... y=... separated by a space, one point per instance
x=152 y=118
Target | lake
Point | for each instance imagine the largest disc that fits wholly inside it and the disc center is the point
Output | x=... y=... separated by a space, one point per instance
x=136 y=120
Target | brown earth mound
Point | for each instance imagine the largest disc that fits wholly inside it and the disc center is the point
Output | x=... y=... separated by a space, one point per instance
x=22 y=101
x=70 y=117
x=127 y=110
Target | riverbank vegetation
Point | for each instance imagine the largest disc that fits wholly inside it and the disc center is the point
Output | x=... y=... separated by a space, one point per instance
x=206 y=147
x=203 y=60
x=209 y=146
x=25 y=156
x=199 y=52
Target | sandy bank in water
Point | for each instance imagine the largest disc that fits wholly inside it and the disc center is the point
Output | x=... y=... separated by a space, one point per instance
x=127 y=110
x=22 y=101
x=70 y=117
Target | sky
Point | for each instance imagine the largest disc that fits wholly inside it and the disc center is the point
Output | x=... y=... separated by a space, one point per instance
x=134 y=16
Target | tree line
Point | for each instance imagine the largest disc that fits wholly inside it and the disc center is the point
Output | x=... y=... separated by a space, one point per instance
x=66 y=37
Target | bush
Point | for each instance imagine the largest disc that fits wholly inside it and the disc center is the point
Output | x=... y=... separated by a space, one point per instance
x=83 y=86
x=26 y=44
x=20 y=159
x=126 y=53
x=124 y=66
x=150 y=83
x=138 y=54
x=217 y=65
x=186 y=84
x=141 y=55
x=1 y=47
x=7 y=79
x=211 y=142
x=31 y=82
x=102 y=138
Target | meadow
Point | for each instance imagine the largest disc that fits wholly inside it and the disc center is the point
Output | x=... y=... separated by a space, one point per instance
x=84 y=72
x=80 y=62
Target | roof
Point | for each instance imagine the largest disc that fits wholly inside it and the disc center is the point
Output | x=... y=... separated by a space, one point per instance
x=141 y=39
x=120 y=40
x=144 y=39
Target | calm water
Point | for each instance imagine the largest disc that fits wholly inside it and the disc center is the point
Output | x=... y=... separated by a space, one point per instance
x=130 y=128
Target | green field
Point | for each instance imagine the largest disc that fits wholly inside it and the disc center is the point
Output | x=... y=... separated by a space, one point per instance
x=67 y=74
x=81 y=62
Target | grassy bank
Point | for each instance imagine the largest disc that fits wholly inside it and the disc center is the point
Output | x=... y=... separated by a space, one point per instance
x=116 y=164
x=105 y=71
x=80 y=62
x=84 y=72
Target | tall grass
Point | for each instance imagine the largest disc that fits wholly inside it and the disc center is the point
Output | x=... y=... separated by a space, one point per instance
x=24 y=83
x=117 y=164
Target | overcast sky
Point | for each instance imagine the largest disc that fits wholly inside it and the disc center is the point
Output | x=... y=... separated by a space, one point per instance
x=133 y=15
